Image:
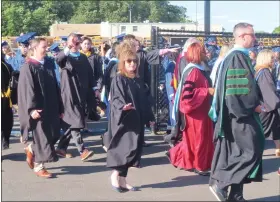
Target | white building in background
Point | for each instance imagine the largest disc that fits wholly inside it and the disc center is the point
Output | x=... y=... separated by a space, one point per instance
x=144 y=29
x=109 y=30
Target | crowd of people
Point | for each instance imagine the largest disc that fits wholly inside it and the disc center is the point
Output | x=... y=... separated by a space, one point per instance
x=223 y=103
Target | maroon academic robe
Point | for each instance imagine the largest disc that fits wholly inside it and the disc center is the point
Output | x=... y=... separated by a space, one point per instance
x=196 y=149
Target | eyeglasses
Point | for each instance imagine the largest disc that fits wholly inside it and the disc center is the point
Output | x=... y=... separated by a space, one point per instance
x=250 y=34
x=131 y=60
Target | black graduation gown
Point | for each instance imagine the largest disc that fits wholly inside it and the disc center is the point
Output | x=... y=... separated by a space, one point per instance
x=238 y=131
x=76 y=86
x=6 y=110
x=38 y=89
x=96 y=64
x=127 y=127
x=270 y=119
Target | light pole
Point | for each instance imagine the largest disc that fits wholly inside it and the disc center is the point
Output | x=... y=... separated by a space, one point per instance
x=130 y=8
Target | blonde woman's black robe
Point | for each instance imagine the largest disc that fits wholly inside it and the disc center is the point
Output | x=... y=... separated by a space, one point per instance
x=127 y=127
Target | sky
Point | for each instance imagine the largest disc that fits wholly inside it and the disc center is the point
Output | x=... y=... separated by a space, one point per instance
x=264 y=15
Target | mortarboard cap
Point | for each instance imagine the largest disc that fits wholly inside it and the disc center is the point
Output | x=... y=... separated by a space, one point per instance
x=120 y=37
x=63 y=38
x=54 y=48
x=4 y=43
x=211 y=39
x=276 y=49
x=24 y=39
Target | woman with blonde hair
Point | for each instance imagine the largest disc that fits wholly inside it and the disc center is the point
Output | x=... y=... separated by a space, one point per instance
x=128 y=113
x=270 y=118
x=224 y=50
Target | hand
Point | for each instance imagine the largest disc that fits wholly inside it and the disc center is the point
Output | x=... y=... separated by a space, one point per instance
x=128 y=107
x=97 y=93
x=36 y=114
x=72 y=42
x=152 y=123
x=61 y=116
x=258 y=109
x=211 y=91
x=174 y=50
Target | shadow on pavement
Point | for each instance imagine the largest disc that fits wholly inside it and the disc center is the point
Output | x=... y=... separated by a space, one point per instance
x=15 y=157
x=270 y=165
x=146 y=162
x=182 y=181
x=79 y=170
x=269 y=198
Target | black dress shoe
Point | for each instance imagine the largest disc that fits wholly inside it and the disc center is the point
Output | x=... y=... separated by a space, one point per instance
x=131 y=189
x=145 y=144
x=202 y=173
x=221 y=195
x=236 y=193
x=118 y=189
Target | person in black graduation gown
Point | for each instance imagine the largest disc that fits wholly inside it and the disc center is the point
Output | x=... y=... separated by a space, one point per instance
x=146 y=59
x=237 y=158
x=96 y=64
x=129 y=112
x=270 y=118
x=6 y=102
x=76 y=86
x=40 y=107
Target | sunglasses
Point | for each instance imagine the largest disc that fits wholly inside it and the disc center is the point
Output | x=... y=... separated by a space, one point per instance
x=132 y=60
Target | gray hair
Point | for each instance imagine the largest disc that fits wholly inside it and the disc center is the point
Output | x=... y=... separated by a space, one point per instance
x=189 y=42
x=241 y=25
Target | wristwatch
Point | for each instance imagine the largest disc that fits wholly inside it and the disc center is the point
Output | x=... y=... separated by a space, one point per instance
x=263 y=108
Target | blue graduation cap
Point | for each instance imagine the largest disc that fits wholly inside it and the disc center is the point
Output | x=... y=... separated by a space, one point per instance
x=211 y=39
x=4 y=43
x=54 y=48
x=120 y=37
x=63 y=38
x=276 y=49
x=24 y=39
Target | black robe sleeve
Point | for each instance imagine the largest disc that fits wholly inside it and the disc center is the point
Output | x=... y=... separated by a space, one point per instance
x=98 y=73
x=26 y=99
x=61 y=59
x=118 y=97
x=268 y=90
x=242 y=93
x=152 y=57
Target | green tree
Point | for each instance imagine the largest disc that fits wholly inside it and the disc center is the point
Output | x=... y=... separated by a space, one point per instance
x=276 y=30
x=87 y=12
x=26 y=16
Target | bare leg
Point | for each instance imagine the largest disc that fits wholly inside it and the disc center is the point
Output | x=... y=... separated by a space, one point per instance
x=115 y=179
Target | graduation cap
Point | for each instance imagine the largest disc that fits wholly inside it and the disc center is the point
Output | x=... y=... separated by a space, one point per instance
x=63 y=38
x=4 y=43
x=276 y=49
x=24 y=39
x=120 y=37
x=54 y=48
x=211 y=39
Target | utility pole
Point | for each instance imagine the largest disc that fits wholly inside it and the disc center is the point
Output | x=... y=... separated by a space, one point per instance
x=207 y=16
x=130 y=8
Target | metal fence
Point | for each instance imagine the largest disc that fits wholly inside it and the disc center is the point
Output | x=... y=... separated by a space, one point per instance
x=160 y=38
